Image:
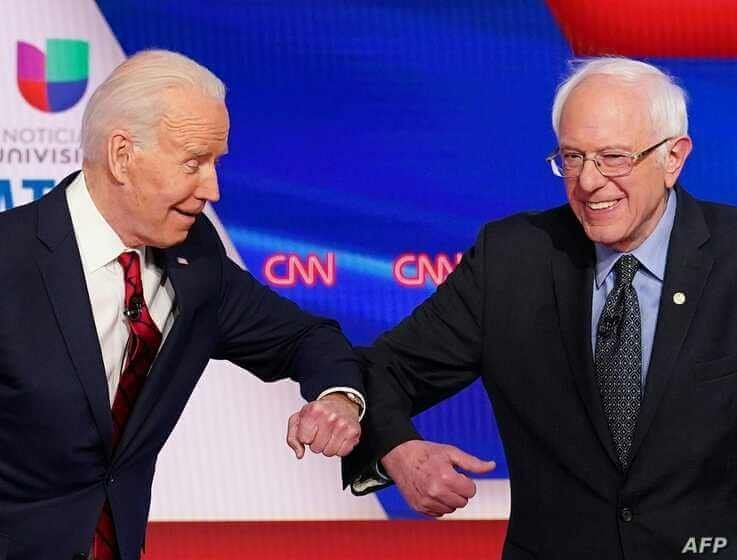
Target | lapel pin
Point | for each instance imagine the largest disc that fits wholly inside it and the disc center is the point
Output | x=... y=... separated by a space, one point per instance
x=679 y=298
x=182 y=261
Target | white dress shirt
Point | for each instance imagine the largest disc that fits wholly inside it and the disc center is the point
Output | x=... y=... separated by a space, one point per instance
x=99 y=247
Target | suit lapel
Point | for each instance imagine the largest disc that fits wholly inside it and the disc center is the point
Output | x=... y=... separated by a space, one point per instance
x=184 y=269
x=686 y=271
x=61 y=268
x=573 y=270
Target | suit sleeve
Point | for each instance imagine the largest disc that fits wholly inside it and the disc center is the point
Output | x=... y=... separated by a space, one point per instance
x=429 y=356
x=273 y=338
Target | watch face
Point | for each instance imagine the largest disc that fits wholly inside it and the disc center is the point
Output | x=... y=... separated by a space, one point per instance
x=353 y=398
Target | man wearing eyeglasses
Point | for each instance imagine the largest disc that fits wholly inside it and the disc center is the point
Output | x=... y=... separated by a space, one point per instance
x=605 y=332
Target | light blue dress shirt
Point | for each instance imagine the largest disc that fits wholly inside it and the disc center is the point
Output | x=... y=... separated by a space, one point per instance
x=648 y=281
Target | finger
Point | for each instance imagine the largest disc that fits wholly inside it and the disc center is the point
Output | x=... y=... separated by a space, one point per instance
x=453 y=500
x=345 y=437
x=349 y=443
x=451 y=489
x=345 y=448
x=333 y=444
x=468 y=462
x=461 y=485
x=292 y=440
x=321 y=439
x=307 y=430
x=433 y=507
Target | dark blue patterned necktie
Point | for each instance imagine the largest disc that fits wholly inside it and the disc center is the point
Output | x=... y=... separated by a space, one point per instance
x=618 y=360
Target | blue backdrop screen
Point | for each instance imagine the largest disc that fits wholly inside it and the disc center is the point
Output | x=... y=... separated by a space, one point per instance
x=372 y=130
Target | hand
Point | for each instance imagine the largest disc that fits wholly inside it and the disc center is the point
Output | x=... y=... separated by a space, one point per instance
x=425 y=475
x=329 y=426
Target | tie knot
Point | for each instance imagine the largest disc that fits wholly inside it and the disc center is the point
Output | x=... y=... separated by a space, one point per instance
x=131 y=263
x=626 y=268
x=129 y=260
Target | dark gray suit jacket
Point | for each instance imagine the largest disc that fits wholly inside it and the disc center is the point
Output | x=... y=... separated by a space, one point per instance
x=517 y=313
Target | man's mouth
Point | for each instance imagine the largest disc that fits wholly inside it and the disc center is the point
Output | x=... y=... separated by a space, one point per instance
x=190 y=214
x=603 y=205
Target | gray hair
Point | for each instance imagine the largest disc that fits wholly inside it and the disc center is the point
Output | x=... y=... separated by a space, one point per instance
x=131 y=97
x=667 y=99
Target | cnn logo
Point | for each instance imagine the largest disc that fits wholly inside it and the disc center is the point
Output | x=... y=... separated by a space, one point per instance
x=287 y=270
x=413 y=270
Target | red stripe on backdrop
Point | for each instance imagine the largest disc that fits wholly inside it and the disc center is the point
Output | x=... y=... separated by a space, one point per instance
x=657 y=28
x=323 y=540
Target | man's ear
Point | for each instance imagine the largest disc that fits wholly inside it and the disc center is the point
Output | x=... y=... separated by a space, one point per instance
x=120 y=154
x=675 y=159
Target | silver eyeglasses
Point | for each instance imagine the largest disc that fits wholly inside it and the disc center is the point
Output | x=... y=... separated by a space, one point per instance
x=610 y=163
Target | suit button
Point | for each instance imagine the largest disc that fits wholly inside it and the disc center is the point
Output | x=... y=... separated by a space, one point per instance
x=625 y=514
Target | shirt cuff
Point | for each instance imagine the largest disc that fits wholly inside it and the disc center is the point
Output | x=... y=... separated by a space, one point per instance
x=350 y=390
x=374 y=479
x=381 y=473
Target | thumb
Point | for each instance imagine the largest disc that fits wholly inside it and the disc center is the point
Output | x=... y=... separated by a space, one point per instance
x=468 y=462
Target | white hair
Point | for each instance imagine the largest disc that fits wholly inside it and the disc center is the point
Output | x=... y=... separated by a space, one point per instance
x=667 y=99
x=131 y=97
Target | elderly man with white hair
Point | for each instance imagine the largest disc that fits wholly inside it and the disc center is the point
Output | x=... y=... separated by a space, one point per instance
x=605 y=333
x=116 y=293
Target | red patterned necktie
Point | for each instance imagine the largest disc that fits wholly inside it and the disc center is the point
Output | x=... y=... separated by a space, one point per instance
x=143 y=344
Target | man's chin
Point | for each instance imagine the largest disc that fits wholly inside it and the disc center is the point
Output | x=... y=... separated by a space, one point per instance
x=608 y=236
x=173 y=238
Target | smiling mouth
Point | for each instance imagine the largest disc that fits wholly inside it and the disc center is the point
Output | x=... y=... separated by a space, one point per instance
x=603 y=205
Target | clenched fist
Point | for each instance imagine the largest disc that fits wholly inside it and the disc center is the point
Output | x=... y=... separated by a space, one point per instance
x=329 y=426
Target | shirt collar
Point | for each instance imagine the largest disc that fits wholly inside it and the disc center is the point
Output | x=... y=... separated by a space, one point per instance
x=97 y=241
x=653 y=252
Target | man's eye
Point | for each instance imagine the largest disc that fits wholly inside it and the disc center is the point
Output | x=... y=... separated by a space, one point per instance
x=192 y=164
x=613 y=160
x=572 y=158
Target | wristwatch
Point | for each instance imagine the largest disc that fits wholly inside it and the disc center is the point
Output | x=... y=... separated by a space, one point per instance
x=354 y=399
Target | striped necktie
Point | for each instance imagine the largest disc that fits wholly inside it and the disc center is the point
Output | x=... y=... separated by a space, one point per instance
x=143 y=344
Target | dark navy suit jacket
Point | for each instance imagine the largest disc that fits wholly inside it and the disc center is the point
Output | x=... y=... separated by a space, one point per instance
x=57 y=466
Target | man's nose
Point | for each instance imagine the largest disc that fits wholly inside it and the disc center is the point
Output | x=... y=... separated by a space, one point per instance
x=591 y=178
x=208 y=188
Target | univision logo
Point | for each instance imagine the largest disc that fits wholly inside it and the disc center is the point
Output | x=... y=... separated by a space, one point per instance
x=54 y=81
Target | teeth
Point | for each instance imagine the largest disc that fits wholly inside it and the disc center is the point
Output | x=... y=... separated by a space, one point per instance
x=601 y=205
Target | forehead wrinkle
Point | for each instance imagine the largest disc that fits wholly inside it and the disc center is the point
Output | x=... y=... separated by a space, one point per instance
x=194 y=131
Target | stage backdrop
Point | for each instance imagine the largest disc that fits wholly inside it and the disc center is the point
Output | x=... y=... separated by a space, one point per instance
x=370 y=141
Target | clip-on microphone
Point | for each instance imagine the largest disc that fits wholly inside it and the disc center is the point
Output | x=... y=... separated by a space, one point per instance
x=133 y=311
